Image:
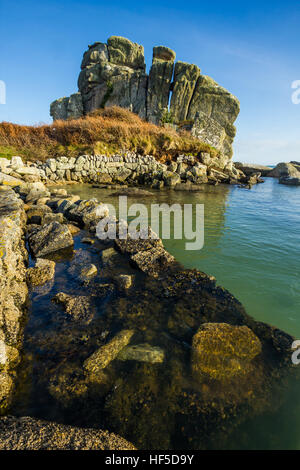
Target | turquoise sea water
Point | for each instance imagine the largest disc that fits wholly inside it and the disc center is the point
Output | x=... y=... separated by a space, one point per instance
x=252 y=248
x=251 y=243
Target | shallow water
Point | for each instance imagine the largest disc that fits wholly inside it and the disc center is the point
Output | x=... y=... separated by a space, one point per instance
x=251 y=244
x=250 y=247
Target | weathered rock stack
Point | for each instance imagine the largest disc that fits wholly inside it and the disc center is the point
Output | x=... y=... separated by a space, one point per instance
x=115 y=74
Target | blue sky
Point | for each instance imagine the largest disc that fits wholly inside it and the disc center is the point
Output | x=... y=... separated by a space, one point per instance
x=251 y=48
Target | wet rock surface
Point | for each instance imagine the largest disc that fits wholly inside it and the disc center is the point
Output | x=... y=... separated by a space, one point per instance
x=50 y=239
x=42 y=272
x=13 y=290
x=33 y=434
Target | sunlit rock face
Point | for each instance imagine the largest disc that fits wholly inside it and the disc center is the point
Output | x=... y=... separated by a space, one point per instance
x=173 y=93
x=13 y=290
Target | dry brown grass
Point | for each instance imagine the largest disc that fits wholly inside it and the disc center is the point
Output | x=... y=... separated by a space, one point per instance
x=108 y=131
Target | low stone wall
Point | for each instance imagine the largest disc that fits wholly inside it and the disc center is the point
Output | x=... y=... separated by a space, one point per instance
x=13 y=289
x=136 y=169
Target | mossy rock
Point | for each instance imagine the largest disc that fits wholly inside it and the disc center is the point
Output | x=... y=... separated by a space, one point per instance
x=221 y=351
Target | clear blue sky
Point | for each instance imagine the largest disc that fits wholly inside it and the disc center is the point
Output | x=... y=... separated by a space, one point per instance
x=251 y=47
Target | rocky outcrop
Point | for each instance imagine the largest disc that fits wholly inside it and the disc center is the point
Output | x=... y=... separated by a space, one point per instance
x=220 y=106
x=114 y=74
x=252 y=168
x=160 y=78
x=288 y=173
x=13 y=290
x=185 y=79
x=50 y=238
x=34 y=434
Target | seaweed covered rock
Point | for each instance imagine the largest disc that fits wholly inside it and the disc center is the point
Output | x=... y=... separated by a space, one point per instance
x=42 y=272
x=80 y=308
x=221 y=351
x=27 y=433
x=107 y=353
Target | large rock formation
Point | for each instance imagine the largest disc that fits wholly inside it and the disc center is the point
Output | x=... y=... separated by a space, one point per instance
x=114 y=74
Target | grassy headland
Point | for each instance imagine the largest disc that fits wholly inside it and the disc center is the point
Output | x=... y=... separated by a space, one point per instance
x=105 y=131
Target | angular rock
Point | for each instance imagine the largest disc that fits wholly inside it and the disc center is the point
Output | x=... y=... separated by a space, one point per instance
x=153 y=261
x=146 y=241
x=59 y=108
x=208 y=130
x=103 y=356
x=88 y=271
x=9 y=180
x=251 y=168
x=80 y=308
x=124 y=281
x=49 y=239
x=121 y=51
x=160 y=78
x=75 y=106
x=42 y=272
x=87 y=211
x=185 y=79
x=142 y=353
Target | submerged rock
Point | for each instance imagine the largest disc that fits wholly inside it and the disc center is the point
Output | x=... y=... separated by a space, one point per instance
x=80 y=308
x=221 y=351
x=42 y=272
x=27 y=433
x=124 y=281
x=290 y=180
x=49 y=239
x=153 y=261
x=88 y=271
x=107 y=353
x=143 y=353
x=67 y=384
